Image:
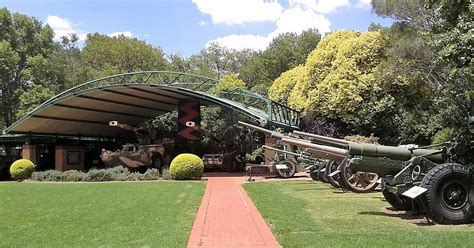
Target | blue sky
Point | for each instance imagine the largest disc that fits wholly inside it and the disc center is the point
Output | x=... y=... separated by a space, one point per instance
x=186 y=27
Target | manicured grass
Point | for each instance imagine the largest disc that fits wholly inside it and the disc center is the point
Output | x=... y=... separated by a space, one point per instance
x=130 y=214
x=309 y=214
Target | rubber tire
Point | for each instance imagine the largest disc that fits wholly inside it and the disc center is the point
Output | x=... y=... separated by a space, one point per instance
x=332 y=180
x=400 y=203
x=321 y=175
x=314 y=175
x=432 y=199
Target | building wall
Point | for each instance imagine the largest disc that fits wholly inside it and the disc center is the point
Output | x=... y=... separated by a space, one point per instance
x=69 y=158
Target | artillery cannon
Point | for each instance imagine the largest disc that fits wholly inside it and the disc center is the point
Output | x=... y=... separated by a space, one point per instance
x=445 y=187
x=359 y=182
x=285 y=163
x=326 y=157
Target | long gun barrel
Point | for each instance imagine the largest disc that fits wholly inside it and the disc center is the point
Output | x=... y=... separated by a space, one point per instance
x=396 y=153
x=288 y=152
x=324 y=140
x=263 y=130
x=322 y=148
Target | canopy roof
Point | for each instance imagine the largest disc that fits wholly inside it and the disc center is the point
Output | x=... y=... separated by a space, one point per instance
x=135 y=98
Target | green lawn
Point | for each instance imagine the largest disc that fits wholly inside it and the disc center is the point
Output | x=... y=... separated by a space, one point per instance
x=131 y=214
x=309 y=214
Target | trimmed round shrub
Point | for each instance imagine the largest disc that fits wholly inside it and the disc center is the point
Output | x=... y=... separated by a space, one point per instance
x=186 y=166
x=22 y=169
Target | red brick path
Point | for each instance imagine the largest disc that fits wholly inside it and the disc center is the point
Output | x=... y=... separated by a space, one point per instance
x=228 y=218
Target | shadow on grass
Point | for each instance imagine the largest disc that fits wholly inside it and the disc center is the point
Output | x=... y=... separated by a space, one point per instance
x=417 y=219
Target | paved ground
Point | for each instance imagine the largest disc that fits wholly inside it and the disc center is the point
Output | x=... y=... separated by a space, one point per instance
x=228 y=218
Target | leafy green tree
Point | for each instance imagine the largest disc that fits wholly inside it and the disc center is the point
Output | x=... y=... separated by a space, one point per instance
x=105 y=55
x=25 y=43
x=285 y=52
x=33 y=97
x=216 y=61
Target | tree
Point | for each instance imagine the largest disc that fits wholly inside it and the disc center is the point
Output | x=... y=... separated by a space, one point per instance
x=283 y=86
x=285 y=52
x=33 y=97
x=351 y=79
x=216 y=61
x=25 y=43
x=105 y=56
x=445 y=29
x=320 y=64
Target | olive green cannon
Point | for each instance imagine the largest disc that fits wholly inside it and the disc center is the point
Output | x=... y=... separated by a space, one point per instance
x=429 y=177
x=336 y=174
x=291 y=149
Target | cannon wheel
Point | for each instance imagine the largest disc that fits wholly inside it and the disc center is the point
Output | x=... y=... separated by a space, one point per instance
x=287 y=173
x=322 y=175
x=400 y=203
x=314 y=175
x=359 y=182
x=450 y=195
x=330 y=168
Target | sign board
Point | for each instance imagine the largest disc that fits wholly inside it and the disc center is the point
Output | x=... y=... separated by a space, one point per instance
x=414 y=192
x=281 y=166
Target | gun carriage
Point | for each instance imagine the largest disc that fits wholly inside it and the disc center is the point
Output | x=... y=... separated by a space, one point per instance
x=303 y=155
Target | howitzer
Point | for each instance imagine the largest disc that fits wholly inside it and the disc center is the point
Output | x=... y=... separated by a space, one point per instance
x=307 y=161
x=324 y=140
x=285 y=166
x=446 y=187
x=336 y=172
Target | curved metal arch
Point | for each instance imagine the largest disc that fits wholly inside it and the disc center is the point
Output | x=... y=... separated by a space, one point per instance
x=242 y=100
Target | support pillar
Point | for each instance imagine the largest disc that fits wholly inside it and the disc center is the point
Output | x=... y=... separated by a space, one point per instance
x=29 y=152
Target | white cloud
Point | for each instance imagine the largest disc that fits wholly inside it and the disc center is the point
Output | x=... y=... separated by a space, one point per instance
x=241 y=42
x=320 y=6
x=240 y=11
x=202 y=23
x=125 y=33
x=297 y=20
x=294 y=20
x=63 y=27
x=364 y=4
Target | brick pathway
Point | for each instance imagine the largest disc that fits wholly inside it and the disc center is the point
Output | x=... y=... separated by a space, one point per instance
x=228 y=218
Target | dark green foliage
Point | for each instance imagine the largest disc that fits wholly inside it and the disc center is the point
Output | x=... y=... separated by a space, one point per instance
x=313 y=123
x=25 y=45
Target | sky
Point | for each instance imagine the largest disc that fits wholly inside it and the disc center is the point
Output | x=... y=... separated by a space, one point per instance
x=187 y=26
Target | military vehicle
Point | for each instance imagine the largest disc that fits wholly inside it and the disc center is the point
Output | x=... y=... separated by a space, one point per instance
x=143 y=155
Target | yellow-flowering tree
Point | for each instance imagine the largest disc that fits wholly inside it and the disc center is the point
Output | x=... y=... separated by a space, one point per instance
x=351 y=81
x=318 y=65
x=283 y=85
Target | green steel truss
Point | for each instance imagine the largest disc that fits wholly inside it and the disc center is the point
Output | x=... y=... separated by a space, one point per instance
x=263 y=110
